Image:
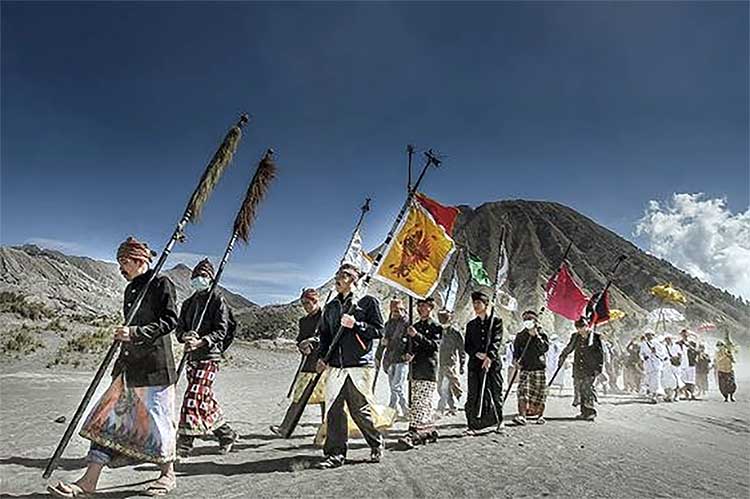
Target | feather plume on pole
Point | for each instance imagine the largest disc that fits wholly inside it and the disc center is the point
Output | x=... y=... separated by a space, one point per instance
x=210 y=178
x=256 y=192
x=215 y=169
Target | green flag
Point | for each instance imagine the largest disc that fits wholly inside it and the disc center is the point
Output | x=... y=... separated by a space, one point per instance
x=476 y=267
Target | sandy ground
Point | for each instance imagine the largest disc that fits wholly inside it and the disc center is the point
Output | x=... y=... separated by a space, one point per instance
x=634 y=449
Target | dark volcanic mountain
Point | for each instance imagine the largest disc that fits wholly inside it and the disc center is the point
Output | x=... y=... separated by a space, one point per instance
x=538 y=235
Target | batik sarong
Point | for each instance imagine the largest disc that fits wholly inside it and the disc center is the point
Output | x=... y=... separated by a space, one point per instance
x=421 y=414
x=532 y=391
x=137 y=422
x=201 y=413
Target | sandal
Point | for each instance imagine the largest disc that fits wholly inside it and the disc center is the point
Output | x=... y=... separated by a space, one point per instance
x=520 y=420
x=162 y=486
x=541 y=420
x=67 y=490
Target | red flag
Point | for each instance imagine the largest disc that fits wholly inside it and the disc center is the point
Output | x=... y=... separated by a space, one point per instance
x=445 y=216
x=564 y=297
x=597 y=311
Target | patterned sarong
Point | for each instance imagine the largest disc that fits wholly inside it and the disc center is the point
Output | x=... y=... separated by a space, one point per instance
x=318 y=395
x=422 y=405
x=532 y=390
x=137 y=422
x=201 y=413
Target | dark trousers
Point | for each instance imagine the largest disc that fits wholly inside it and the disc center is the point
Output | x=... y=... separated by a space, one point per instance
x=587 y=393
x=336 y=421
x=492 y=411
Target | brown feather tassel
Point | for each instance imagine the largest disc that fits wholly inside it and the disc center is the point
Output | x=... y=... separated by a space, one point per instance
x=256 y=191
x=215 y=169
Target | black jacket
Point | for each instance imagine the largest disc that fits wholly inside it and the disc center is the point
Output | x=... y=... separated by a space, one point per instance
x=308 y=330
x=352 y=350
x=147 y=359
x=213 y=328
x=588 y=360
x=534 y=358
x=475 y=341
x=425 y=346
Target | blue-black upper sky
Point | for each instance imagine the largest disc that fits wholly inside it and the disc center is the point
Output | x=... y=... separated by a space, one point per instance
x=110 y=112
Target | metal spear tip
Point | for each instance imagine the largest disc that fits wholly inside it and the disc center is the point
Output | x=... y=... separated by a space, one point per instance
x=244 y=119
x=432 y=158
x=269 y=153
x=366 y=206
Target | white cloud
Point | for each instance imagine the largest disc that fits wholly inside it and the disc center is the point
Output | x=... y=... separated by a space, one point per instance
x=702 y=237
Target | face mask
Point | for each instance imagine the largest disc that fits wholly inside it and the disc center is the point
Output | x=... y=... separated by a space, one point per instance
x=200 y=283
x=528 y=324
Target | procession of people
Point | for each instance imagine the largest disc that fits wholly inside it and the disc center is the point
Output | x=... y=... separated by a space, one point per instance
x=424 y=362
x=344 y=342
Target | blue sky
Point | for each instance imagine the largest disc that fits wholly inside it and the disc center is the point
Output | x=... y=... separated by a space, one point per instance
x=110 y=112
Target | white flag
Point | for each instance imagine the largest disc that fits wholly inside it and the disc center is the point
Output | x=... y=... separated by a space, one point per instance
x=507 y=301
x=356 y=256
x=502 y=267
x=450 y=294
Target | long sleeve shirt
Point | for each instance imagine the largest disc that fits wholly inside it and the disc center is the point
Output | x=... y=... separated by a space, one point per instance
x=425 y=345
x=475 y=341
x=147 y=359
x=534 y=357
x=308 y=331
x=356 y=346
x=588 y=359
x=394 y=337
x=212 y=330
x=452 y=352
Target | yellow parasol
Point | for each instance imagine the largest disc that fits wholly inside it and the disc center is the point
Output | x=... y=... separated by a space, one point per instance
x=668 y=293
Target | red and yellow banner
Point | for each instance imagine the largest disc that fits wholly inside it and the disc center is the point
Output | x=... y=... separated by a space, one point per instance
x=421 y=248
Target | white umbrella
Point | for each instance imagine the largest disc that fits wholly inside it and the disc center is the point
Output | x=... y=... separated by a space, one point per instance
x=665 y=314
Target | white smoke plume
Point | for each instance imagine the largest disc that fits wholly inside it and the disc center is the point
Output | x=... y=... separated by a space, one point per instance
x=702 y=237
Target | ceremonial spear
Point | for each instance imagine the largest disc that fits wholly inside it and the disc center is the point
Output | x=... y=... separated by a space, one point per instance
x=208 y=181
x=256 y=191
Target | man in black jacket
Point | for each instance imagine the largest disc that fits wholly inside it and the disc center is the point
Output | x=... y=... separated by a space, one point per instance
x=307 y=344
x=347 y=380
x=587 y=365
x=425 y=338
x=201 y=413
x=530 y=353
x=483 y=360
x=134 y=419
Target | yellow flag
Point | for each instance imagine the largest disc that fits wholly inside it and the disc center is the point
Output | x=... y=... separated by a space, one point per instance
x=418 y=254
